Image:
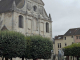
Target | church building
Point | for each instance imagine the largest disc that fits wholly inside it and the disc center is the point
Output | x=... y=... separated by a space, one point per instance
x=26 y=16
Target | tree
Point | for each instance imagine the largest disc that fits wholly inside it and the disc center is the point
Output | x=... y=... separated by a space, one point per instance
x=12 y=44
x=38 y=47
x=72 y=50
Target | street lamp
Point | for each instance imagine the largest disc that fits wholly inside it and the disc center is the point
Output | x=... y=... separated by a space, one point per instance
x=52 y=51
x=52 y=54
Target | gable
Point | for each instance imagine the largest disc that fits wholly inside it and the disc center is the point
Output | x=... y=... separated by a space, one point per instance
x=4 y=28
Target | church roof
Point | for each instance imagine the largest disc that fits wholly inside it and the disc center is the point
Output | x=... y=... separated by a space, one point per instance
x=10 y=5
x=6 y=5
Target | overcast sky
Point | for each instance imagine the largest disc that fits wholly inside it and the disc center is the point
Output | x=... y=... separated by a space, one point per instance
x=65 y=14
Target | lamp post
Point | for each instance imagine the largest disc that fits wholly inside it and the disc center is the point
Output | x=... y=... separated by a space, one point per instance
x=52 y=54
x=52 y=51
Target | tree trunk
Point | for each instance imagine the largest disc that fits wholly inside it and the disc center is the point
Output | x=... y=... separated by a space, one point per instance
x=6 y=58
x=68 y=57
x=77 y=58
x=11 y=58
x=2 y=58
x=73 y=57
x=34 y=59
x=22 y=58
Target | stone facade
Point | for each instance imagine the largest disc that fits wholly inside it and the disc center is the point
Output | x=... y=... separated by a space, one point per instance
x=34 y=21
x=26 y=16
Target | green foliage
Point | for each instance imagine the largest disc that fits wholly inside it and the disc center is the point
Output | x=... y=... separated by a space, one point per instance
x=12 y=44
x=39 y=47
x=15 y=44
x=72 y=50
x=28 y=47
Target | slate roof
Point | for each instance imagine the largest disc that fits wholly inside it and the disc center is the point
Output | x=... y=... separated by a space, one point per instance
x=74 y=31
x=58 y=37
x=6 y=5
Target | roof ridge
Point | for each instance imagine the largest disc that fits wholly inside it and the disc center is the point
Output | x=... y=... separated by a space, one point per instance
x=74 y=28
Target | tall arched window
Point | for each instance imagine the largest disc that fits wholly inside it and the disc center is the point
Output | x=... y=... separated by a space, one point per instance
x=20 y=21
x=47 y=27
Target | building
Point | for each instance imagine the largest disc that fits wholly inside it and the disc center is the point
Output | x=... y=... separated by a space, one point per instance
x=26 y=16
x=58 y=43
x=70 y=37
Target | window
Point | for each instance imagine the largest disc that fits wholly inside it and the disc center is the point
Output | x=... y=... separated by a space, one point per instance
x=20 y=21
x=71 y=36
x=0 y=18
x=34 y=8
x=65 y=38
x=47 y=27
x=60 y=45
x=76 y=37
x=65 y=44
x=79 y=37
x=72 y=42
x=70 y=31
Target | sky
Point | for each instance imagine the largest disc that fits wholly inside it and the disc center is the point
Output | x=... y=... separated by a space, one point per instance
x=65 y=15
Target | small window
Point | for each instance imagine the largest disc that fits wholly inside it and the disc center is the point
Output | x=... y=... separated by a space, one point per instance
x=34 y=8
x=70 y=31
x=65 y=38
x=71 y=36
x=72 y=42
x=60 y=45
x=76 y=37
x=65 y=44
x=20 y=21
x=47 y=27
x=79 y=37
